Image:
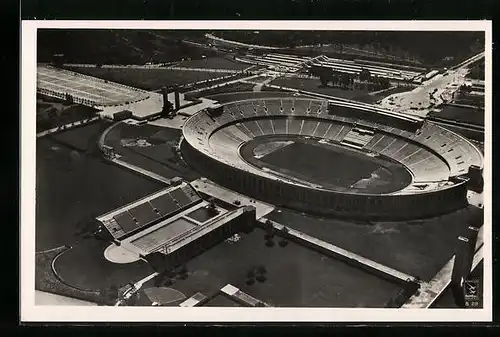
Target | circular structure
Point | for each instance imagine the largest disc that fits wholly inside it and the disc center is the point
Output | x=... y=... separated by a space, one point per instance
x=339 y=158
x=120 y=255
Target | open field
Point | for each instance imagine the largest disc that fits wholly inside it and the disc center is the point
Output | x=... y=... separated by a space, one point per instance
x=419 y=248
x=215 y=62
x=148 y=79
x=159 y=157
x=314 y=85
x=296 y=276
x=74 y=183
x=233 y=87
x=459 y=114
x=54 y=113
x=236 y=96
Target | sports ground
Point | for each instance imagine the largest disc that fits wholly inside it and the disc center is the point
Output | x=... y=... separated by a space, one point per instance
x=333 y=167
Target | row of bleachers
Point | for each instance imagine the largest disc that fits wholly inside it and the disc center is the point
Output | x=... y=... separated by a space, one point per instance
x=380 y=144
x=430 y=169
x=144 y=213
x=294 y=125
x=113 y=227
x=458 y=153
x=344 y=130
x=253 y=127
x=153 y=210
x=243 y=128
x=321 y=129
x=231 y=135
x=358 y=137
x=266 y=126
x=405 y=152
x=333 y=130
x=393 y=147
x=308 y=127
x=223 y=143
x=180 y=196
x=233 y=129
x=280 y=126
x=191 y=193
x=164 y=204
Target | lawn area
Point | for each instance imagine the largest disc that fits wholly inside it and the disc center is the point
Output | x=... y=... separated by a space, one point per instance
x=459 y=114
x=53 y=113
x=215 y=62
x=296 y=276
x=314 y=85
x=159 y=158
x=46 y=280
x=149 y=79
x=233 y=87
x=419 y=248
x=84 y=266
x=73 y=182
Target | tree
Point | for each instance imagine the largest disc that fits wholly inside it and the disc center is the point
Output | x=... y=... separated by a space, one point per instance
x=260 y=278
x=364 y=75
x=283 y=243
x=250 y=274
x=269 y=243
x=109 y=295
x=261 y=270
x=324 y=78
x=68 y=98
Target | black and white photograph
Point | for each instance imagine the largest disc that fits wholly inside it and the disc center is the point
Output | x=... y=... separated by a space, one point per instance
x=256 y=171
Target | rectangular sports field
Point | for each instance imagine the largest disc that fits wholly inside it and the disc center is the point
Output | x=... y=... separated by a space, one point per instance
x=149 y=79
x=338 y=167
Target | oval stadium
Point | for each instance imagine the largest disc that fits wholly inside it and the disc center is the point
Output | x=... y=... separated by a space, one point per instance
x=332 y=157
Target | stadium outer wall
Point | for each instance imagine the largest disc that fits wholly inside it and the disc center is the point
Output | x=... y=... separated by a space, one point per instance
x=328 y=203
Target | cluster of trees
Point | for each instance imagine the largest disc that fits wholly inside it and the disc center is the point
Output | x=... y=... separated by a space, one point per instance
x=349 y=81
x=168 y=277
x=256 y=274
x=477 y=71
x=271 y=234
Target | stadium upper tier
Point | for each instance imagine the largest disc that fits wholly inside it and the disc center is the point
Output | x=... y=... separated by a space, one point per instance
x=85 y=89
x=433 y=155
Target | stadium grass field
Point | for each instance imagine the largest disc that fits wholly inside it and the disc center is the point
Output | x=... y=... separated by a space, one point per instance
x=73 y=183
x=419 y=248
x=334 y=167
x=296 y=276
x=149 y=79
